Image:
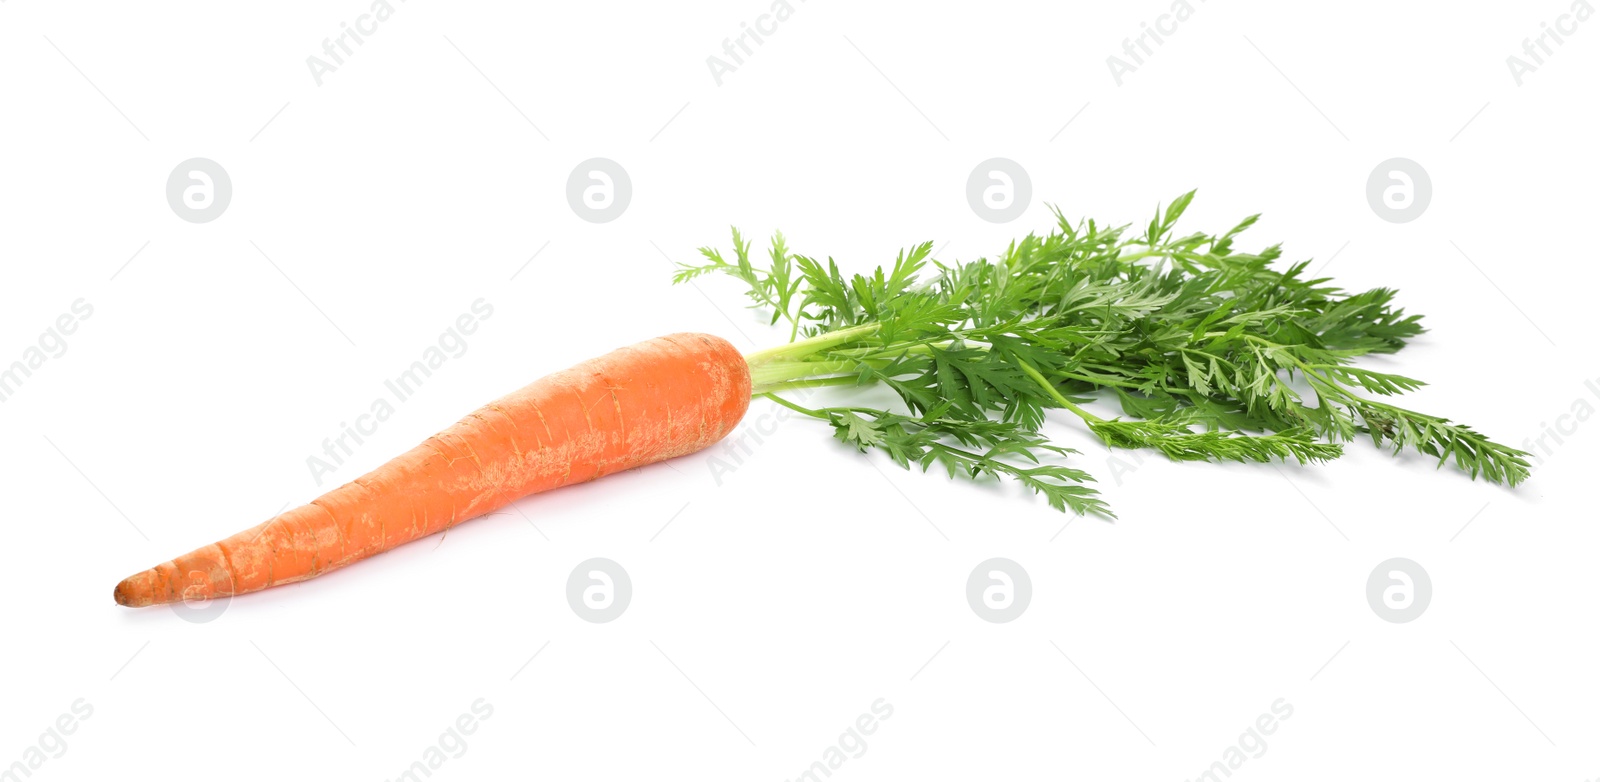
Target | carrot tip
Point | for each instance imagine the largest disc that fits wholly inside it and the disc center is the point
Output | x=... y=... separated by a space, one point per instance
x=124 y=592
x=137 y=591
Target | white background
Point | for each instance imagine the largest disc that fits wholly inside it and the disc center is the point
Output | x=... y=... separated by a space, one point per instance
x=773 y=606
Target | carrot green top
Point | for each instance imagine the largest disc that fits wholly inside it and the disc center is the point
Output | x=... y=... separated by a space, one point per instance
x=1201 y=345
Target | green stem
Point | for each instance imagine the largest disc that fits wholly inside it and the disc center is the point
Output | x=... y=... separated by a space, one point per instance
x=797 y=408
x=891 y=351
x=1094 y=380
x=817 y=344
x=809 y=382
x=763 y=375
x=1145 y=254
x=1050 y=389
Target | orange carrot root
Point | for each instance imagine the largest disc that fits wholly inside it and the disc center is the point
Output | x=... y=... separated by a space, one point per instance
x=641 y=404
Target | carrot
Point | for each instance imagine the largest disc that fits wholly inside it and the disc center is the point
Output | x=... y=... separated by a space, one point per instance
x=641 y=404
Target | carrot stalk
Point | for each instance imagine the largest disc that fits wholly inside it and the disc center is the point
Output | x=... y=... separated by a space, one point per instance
x=641 y=404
